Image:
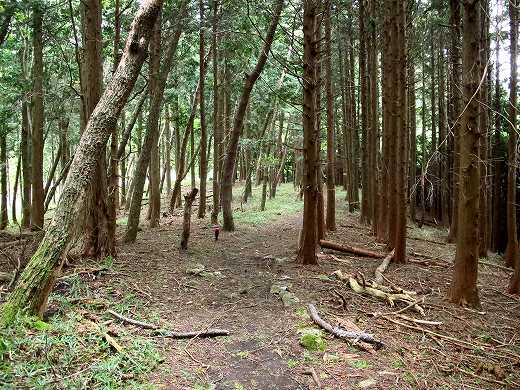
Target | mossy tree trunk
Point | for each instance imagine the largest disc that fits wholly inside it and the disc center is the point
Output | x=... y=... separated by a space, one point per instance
x=37 y=279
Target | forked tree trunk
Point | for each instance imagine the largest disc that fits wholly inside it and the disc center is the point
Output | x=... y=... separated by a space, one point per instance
x=512 y=253
x=309 y=238
x=238 y=122
x=463 y=289
x=36 y=281
x=37 y=203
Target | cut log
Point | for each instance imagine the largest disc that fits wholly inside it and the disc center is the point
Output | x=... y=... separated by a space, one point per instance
x=382 y=267
x=351 y=249
x=340 y=332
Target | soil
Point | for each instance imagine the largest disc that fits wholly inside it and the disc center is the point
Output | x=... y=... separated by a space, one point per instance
x=263 y=350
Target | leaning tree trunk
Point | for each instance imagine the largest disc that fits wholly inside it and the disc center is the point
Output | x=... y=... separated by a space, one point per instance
x=463 y=289
x=229 y=164
x=37 y=279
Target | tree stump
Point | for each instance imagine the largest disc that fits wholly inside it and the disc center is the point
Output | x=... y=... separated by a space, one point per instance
x=186 y=224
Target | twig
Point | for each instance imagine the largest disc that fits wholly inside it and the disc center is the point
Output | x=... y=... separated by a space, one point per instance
x=141 y=324
x=382 y=267
x=311 y=371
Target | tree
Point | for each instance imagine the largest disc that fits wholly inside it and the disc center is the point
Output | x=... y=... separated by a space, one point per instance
x=463 y=288
x=36 y=281
x=152 y=128
x=203 y=168
x=228 y=169
x=512 y=252
x=308 y=235
x=331 y=150
x=37 y=114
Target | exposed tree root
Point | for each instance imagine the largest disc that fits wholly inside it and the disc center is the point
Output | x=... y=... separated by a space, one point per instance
x=340 y=332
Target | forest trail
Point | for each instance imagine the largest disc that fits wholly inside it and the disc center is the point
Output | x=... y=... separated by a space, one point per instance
x=228 y=284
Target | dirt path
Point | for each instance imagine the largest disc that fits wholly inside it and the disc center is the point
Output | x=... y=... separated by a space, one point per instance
x=263 y=351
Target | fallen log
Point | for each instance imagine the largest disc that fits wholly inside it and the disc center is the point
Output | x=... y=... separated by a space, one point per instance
x=168 y=333
x=351 y=249
x=382 y=267
x=340 y=332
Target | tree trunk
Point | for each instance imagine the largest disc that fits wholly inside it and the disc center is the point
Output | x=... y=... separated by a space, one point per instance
x=455 y=99
x=152 y=130
x=15 y=190
x=217 y=135
x=365 y=216
x=25 y=140
x=36 y=281
x=203 y=166
x=229 y=164
x=463 y=289
x=512 y=253
x=37 y=111
x=309 y=238
x=4 y=220
x=154 y=202
x=331 y=149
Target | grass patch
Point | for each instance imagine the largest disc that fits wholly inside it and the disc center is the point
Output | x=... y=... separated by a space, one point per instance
x=71 y=350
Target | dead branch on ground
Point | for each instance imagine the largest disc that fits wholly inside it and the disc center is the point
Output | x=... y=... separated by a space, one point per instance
x=351 y=249
x=340 y=332
x=382 y=267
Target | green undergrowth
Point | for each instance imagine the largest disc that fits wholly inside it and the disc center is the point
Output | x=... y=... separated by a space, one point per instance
x=75 y=348
x=284 y=204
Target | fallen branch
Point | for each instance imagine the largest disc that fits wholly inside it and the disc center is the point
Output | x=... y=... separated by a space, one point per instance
x=383 y=266
x=378 y=292
x=168 y=333
x=131 y=321
x=351 y=249
x=190 y=335
x=9 y=244
x=422 y=322
x=312 y=372
x=340 y=332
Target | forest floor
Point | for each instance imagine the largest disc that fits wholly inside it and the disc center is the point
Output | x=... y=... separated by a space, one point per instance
x=237 y=283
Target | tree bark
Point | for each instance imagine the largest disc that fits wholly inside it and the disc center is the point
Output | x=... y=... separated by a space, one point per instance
x=36 y=281
x=365 y=216
x=463 y=289
x=229 y=163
